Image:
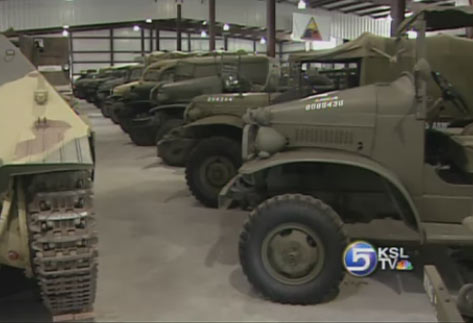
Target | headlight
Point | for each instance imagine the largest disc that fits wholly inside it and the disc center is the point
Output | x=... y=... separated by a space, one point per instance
x=248 y=149
x=269 y=141
x=162 y=97
x=193 y=114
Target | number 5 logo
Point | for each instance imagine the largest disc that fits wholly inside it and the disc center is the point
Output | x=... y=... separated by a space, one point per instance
x=360 y=259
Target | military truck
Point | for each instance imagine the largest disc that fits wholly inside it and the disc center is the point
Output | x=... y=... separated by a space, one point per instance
x=209 y=143
x=84 y=74
x=91 y=87
x=349 y=65
x=137 y=93
x=46 y=170
x=194 y=76
x=360 y=157
x=132 y=73
x=80 y=85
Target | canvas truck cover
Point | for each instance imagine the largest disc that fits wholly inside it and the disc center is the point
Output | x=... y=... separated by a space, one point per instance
x=449 y=55
x=440 y=18
x=26 y=96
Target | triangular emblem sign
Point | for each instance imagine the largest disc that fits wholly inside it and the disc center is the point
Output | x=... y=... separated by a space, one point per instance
x=311 y=31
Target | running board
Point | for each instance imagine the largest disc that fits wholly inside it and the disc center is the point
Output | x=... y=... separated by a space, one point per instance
x=386 y=230
x=448 y=234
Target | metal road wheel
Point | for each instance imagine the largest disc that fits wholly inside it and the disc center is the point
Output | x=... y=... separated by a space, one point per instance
x=293 y=254
x=216 y=171
x=291 y=249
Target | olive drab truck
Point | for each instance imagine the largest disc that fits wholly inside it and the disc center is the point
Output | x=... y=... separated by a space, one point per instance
x=359 y=62
x=136 y=93
x=46 y=167
x=314 y=167
x=193 y=77
x=131 y=73
x=209 y=143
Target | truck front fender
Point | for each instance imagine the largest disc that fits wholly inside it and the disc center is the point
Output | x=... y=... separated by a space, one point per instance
x=228 y=120
x=164 y=107
x=321 y=156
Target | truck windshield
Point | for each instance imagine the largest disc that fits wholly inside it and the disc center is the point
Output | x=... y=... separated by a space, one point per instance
x=151 y=75
x=184 y=70
x=255 y=72
x=136 y=74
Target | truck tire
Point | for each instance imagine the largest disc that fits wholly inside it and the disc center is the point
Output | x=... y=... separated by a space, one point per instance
x=166 y=127
x=211 y=164
x=291 y=249
x=140 y=139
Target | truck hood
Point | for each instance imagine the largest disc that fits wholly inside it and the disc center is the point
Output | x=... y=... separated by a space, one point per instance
x=110 y=84
x=228 y=104
x=125 y=88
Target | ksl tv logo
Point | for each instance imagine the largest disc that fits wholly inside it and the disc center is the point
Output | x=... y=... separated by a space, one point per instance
x=361 y=259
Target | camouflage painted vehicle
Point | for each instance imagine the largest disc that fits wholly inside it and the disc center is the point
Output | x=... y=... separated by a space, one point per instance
x=132 y=73
x=194 y=76
x=46 y=171
x=361 y=157
x=137 y=92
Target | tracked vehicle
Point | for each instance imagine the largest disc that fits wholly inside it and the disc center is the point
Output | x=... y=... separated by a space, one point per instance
x=46 y=171
x=315 y=167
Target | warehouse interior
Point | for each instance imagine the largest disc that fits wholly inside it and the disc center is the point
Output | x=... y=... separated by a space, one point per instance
x=222 y=160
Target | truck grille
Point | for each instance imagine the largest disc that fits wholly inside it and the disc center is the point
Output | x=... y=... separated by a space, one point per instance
x=324 y=136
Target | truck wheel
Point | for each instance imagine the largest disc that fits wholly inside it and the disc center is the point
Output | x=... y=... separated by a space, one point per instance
x=105 y=109
x=291 y=249
x=211 y=164
x=166 y=127
x=139 y=138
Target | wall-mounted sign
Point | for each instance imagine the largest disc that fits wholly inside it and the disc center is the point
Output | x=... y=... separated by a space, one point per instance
x=307 y=27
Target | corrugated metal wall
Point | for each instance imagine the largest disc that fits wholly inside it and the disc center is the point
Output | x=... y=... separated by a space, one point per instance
x=30 y=14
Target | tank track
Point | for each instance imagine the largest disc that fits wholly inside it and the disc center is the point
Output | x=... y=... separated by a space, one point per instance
x=63 y=242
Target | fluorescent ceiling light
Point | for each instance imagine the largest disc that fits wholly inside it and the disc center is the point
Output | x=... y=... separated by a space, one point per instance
x=301 y=4
x=149 y=20
x=203 y=34
x=65 y=33
x=226 y=27
x=65 y=26
x=136 y=28
x=262 y=40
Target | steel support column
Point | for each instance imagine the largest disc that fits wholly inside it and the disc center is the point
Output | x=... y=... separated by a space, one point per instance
x=178 y=27
x=271 y=27
x=398 y=8
x=142 y=41
x=212 y=25
x=112 y=48
x=225 y=42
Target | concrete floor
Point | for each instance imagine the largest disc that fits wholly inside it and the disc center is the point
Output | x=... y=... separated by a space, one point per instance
x=164 y=257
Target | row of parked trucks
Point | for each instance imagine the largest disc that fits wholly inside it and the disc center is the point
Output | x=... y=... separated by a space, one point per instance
x=377 y=129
